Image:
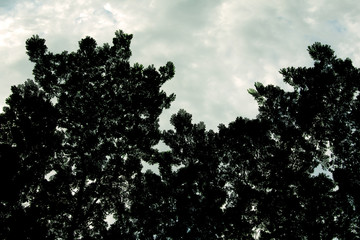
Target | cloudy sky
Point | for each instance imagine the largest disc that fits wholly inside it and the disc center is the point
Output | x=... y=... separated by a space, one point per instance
x=219 y=47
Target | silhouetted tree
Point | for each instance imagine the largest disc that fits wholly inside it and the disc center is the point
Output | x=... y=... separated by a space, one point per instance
x=262 y=172
x=197 y=192
x=88 y=119
x=317 y=124
x=72 y=142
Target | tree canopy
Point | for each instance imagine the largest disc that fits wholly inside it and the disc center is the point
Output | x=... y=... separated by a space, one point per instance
x=73 y=139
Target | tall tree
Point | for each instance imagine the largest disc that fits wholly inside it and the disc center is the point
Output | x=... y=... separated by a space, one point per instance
x=322 y=112
x=197 y=192
x=72 y=142
x=89 y=118
x=263 y=171
x=185 y=201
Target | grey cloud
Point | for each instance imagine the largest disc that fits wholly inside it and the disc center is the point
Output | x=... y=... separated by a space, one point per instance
x=8 y=4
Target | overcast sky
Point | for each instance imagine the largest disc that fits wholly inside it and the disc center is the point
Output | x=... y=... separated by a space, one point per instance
x=219 y=48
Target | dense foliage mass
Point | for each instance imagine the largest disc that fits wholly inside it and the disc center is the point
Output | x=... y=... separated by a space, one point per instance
x=72 y=143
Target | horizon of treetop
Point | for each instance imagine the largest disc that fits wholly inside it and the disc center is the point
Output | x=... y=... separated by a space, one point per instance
x=91 y=118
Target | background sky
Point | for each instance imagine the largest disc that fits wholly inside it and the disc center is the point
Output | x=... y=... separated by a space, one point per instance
x=220 y=48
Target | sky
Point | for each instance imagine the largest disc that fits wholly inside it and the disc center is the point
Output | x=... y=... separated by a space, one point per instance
x=220 y=48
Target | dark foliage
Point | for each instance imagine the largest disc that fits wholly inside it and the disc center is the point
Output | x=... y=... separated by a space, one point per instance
x=89 y=118
x=72 y=142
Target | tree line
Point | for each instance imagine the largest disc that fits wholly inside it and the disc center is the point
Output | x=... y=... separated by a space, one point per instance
x=90 y=118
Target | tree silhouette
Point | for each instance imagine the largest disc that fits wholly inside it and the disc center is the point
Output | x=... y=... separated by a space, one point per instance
x=90 y=118
x=72 y=142
x=320 y=118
